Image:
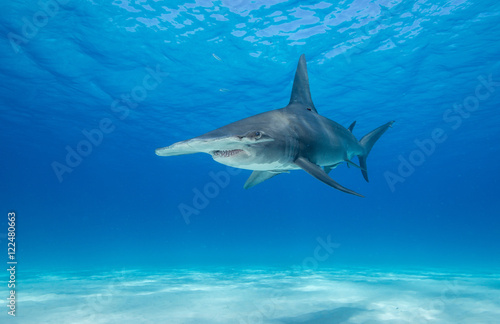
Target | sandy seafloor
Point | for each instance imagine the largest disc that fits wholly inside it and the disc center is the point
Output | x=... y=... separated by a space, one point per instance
x=242 y=295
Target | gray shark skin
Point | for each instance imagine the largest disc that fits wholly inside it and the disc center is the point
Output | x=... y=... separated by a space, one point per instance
x=291 y=138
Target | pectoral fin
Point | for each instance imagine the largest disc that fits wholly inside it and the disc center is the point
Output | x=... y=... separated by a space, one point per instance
x=257 y=177
x=317 y=172
x=330 y=167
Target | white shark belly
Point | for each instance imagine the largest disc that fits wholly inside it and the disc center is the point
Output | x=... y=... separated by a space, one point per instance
x=271 y=166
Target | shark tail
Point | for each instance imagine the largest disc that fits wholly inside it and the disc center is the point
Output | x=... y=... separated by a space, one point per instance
x=367 y=143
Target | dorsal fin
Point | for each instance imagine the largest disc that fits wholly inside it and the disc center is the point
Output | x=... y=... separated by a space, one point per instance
x=300 y=89
x=352 y=126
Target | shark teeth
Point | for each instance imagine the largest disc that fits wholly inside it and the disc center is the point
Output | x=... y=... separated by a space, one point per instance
x=226 y=153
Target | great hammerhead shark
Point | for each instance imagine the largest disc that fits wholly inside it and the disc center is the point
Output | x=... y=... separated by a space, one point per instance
x=290 y=138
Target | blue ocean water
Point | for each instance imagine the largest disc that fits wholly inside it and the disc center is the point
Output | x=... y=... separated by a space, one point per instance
x=91 y=88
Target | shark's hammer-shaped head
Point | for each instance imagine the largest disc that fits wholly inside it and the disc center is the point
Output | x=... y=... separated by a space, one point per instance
x=246 y=144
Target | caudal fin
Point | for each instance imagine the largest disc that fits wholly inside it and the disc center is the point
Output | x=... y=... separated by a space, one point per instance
x=367 y=143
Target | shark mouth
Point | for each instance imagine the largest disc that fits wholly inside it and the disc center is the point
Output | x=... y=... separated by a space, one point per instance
x=226 y=153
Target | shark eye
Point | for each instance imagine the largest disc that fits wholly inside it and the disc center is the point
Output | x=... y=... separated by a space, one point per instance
x=253 y=135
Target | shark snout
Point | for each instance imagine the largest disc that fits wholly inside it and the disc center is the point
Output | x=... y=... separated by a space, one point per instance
x=202 y=145
x=163 y=151
x=210 y=144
